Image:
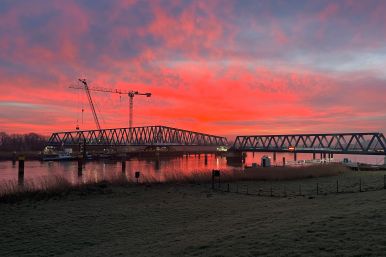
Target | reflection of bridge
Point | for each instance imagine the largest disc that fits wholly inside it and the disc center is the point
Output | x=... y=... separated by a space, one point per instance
x=136 y=136
x=344 y=143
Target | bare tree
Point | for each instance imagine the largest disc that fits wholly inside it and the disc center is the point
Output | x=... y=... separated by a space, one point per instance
x=21 y=142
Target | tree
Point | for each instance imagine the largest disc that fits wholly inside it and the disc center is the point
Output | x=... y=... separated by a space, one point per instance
x=22 y=142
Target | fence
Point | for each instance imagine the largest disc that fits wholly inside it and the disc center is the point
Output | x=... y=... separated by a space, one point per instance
x=314 y=187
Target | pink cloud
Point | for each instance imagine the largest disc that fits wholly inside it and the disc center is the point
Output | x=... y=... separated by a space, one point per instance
x=203 y=76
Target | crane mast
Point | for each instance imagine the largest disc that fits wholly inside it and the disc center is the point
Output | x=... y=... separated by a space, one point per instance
x=131 y=95
x=131 y=107
x=87 y=89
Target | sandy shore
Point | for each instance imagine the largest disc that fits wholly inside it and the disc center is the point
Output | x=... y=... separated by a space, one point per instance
x=192 y=220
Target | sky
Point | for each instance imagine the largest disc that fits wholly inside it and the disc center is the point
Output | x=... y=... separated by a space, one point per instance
x=220 y=67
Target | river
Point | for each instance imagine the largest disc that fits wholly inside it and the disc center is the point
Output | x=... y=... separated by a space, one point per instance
x=99 y=170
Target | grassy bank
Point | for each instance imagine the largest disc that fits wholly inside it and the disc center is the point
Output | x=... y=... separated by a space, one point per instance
x=173 y=219
x=56 y=186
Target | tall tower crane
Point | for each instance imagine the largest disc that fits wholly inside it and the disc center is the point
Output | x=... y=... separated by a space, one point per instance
x=129 y=93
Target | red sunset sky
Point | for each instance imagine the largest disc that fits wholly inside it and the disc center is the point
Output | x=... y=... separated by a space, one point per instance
x=220 y=67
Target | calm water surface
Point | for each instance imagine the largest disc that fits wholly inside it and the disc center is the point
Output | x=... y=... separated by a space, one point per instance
x=99 y=170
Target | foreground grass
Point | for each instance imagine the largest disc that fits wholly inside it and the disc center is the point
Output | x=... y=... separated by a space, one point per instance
x=191 y=220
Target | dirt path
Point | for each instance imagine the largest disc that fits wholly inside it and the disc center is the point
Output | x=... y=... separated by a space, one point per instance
x=190 y=220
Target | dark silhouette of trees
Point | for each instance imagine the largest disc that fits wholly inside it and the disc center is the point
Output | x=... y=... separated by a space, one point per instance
x=22 y=142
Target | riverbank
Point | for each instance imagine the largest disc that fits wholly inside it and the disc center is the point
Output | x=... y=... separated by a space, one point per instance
x=146 y=155
x=11 y=190
x=192 y=220
x=29 y=155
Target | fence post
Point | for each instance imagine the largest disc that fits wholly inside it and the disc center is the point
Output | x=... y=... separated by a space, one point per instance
x=285 y=191
x=384 y=181
x=337 y=186
x=216 y=173
x=213 y=180
x=137 y=174
x=360 y=185
x=228 y=188
x=300 y=189
x=317 y=188
x=271 y=192
x=247 y=190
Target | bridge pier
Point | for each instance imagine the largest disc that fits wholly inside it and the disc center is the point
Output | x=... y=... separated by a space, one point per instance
x=313 y=156
x=80 y=166
x=235 y=157
x=157 y=161
x=14 y=158
x=295 y=156
x=274 y=156
x=123 y=165
x=20 y=176
x=157 y=164
x=206 y=159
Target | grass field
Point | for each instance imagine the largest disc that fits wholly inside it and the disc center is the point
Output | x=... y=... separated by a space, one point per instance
x=189 y=219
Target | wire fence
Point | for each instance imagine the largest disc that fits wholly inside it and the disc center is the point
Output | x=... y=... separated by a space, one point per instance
x=314 y=187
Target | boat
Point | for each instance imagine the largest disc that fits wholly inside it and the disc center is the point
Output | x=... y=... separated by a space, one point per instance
x=51 y=154
x=62 y=156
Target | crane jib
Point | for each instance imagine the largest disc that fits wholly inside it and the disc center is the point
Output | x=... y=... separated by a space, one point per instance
x=130 y=93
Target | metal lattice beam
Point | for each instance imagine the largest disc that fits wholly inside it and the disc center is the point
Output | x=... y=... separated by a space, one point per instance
x=341 y=143
x=136 y=136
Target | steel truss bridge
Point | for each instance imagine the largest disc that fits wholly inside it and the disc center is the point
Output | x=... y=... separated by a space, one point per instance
x=343 y=143
x=136 y=136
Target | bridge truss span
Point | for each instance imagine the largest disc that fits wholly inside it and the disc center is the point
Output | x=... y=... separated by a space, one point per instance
x=339 y=143
x=136 y=136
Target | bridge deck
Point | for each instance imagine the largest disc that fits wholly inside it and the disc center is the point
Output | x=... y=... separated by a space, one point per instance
x=136 y=136
x=339 y=143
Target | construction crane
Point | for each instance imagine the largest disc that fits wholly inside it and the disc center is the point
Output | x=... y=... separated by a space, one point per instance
x=87 y=90
x=129 y=93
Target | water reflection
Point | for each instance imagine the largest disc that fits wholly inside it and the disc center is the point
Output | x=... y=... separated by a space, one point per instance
x=158 y=169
